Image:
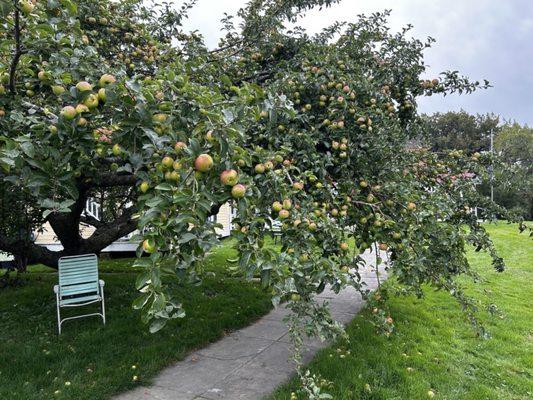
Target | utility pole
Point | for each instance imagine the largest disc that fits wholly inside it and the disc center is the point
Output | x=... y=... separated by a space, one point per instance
x=492 y=165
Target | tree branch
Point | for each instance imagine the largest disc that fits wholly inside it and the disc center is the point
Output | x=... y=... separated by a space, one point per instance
x=30 y=252
x=18 y=51
x=109 y=232
x=88 y=220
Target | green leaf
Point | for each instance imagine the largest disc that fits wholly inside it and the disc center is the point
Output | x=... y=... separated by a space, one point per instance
x=142 y=280
x=186 y=237
x=141 y=301
x=157 y=325
x=6 y=7
x=28 y=149
x=164 y=187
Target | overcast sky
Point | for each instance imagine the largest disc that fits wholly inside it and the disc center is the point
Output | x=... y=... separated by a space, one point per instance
x=491 y=39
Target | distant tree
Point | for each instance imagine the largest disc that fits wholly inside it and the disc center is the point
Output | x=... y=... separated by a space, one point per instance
x=514 y=144
x=460 y=131
x=20 y=218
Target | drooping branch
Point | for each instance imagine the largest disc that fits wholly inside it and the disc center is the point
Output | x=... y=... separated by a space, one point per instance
x=113 y=179
x=18 y=50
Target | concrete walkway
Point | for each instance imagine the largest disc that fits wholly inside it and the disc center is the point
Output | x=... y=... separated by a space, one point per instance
x=252 y=362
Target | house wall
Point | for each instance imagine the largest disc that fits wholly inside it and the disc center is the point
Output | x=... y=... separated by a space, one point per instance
x=48 y=239
x=224 y=217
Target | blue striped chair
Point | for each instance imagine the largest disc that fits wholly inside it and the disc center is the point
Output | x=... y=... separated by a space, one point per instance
x=78 y=285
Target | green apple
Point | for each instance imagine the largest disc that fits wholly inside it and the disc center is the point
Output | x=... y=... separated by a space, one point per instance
x=81 y=108
x=277 y=206
x=168 y=162
x=91 y=101
x=238 y=191
x=117 y=149
x=144 y=187
x=175 y=176
x=58 y=90
x=203 y=163
x=149 y=246
x=68 y=113
x=179 y=146
x=284 y=214
x=106 y=79
x=159 y=118
x=102 y=96
x=229 y=177
x=26 y=6
x=42 y=75
x=84 y=86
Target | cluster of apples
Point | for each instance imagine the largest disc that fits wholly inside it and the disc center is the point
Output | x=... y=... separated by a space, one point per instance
x=230 y=177
x=169 y=166
x=429 y=84
x=341 y=147
x=364 y=123
x=270 y=165
x=91 y=100
x=282 y=208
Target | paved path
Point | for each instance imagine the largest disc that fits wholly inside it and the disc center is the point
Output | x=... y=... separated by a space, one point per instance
x=250 y=363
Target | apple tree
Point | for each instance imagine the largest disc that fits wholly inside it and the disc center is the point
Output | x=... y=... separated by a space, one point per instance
x=304 y=134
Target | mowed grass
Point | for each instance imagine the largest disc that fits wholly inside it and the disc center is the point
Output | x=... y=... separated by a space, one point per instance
x=436 y=349
x=93 y=361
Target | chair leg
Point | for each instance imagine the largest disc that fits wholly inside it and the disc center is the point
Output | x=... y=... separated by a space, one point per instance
x=103 y=303
x=58 y=315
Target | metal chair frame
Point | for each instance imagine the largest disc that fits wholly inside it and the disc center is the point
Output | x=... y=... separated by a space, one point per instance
x=83 y=283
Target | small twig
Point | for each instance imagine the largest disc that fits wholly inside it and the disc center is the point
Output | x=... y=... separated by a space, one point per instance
x=377 y=264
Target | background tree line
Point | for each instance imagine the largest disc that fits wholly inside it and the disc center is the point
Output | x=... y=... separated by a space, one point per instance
x=513 y=145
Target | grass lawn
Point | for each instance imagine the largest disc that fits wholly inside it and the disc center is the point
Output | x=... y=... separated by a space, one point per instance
x=435 y=349
x=98 y=360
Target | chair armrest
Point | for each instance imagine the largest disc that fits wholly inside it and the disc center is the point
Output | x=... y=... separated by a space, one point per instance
x=56 y=289
x=101 y=282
